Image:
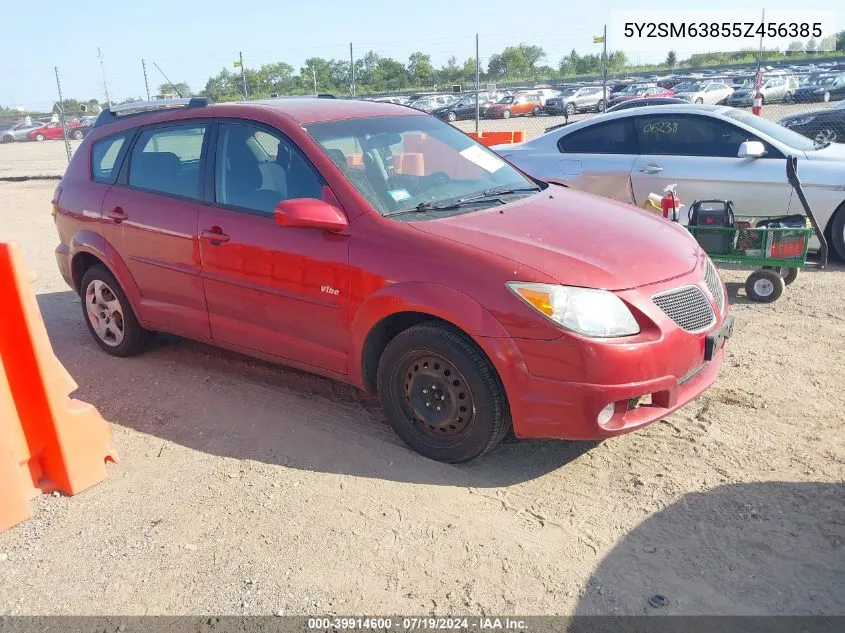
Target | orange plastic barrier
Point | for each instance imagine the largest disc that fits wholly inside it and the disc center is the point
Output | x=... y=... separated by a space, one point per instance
x=48 y=441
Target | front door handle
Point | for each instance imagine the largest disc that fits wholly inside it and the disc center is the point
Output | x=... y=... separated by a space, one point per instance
x=215 y=235
x=117 y=215
x=651 y=169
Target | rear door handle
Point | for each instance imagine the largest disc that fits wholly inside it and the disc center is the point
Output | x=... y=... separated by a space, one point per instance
x=215 y=235
x=651 y=169
x=117 y=215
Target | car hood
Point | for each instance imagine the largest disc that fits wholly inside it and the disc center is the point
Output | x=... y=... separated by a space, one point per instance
x=834 y=151
x=811 y=89
x=577 y=239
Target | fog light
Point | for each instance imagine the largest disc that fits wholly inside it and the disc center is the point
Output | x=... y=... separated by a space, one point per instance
x=606 y=413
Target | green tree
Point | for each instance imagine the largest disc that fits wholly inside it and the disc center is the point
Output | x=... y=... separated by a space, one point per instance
x=795 y=46
x=671 y=59
x=828 y=43
x=389 y=74
x=510 y=63
x=532 y=55
x=225 y=86
x=316 y=70
x=840 y=41
x=420 y=69
x=812 y=45
x=617 y=61
x=177 y=88
x=451 y=72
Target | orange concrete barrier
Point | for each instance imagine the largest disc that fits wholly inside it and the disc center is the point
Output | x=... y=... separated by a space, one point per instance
x=48 y=441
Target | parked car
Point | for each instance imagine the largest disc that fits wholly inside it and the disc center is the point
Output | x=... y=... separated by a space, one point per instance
x=428 y=104
x=823 y=126
x=469 y=296
x=711 y=92
x=708 y=151
x=638 y=91
x=53 y=131
x=646 y=101
x=19 y=132
x=572 y=100
x=515 y=105
x=827 y=87
x=462 y=109
x=774 y=88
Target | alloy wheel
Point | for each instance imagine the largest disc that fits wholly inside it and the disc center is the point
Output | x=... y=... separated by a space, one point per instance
x=104 y=313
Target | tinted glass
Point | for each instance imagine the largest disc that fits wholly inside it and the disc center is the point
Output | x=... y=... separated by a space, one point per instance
x=167 y=160
x=613 y=137
x=689 y=135
x=104 y=158
x=257 y=168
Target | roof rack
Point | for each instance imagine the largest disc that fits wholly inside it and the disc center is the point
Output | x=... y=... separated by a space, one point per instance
x=142 y=107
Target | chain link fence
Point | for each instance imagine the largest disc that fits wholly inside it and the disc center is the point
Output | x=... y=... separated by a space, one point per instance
x=32 y=144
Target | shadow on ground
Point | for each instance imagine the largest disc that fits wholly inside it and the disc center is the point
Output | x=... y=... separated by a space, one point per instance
x=230 y=405
x=769 y=548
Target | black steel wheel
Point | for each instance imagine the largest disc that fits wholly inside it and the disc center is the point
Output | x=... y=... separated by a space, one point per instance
x=441 y=394
x=764 y=286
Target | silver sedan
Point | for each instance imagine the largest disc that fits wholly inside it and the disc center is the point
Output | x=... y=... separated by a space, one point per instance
x=708 y=151
x=18 y=132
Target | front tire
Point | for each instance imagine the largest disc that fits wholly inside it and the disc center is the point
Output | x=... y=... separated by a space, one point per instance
x=787 y=98
x=837 y=232
x=826 y=96
x=506 y=114
x=535 y=111
x=570 y=109
x=109 y=315
x=77 y=135
x=39 y=137
x=441 y=394
x=764 y=286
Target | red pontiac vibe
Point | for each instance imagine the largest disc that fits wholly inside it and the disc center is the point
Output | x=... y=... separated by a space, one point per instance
x=377 y=245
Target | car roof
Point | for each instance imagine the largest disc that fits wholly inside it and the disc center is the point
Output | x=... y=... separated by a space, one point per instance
x=310 y=110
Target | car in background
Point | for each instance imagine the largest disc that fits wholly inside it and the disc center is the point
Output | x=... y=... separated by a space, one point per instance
x=824 y=88
x=646 y=101
x=637 y=91
x=708 y=151
x=774 y=88
x=19 y=132
x=470 y=297
x=430 y=103
x=573 y=100
x=464 y=108
x=515 y=105
x=52 y=131
x=823 y=126
x=710 y=92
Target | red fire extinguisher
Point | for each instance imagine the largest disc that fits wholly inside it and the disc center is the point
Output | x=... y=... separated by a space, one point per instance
x=670 y=203
x=757 y=104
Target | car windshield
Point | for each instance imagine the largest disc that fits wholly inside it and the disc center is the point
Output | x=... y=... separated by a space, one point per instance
x=773 y=130
x=821 y=81
x=417 y=163
x=506 y=100
x=567 y=92
x=635 y=89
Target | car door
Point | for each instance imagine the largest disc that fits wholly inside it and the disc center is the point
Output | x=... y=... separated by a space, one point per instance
x=699 y=154
x=586 y=98
x=278 y=291
x=597 y=158
x=150 y=219
x=53 y=131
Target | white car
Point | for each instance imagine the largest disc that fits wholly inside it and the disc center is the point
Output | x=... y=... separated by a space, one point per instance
x=710 y=92
x=708 y=151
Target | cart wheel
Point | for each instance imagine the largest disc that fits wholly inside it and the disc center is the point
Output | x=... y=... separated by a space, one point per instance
x=789 y=274
x=764 y=286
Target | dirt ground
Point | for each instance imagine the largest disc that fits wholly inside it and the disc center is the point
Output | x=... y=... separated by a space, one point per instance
x=246 y=488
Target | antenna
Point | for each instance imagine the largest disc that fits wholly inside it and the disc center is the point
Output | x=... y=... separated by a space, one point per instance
x=103 y=68
x=176 y=90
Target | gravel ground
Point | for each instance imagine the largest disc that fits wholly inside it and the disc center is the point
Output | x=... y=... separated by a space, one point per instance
x=246 y=488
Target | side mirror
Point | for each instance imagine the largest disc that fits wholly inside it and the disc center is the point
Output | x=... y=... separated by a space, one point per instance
x=751 y=149
x=310 y=213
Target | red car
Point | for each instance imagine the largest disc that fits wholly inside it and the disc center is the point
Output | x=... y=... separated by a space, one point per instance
x=52 y=131
x=384 y=248
x=639 y=91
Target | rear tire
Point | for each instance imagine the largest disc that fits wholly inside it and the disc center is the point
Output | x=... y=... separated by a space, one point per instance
x=506 y=114
x=570 y=109
x=826 y=96
x=77 y=135
x=109 y=315
x=789 y=274
x=535 y=111
x=837 y=232
x=764 y=286
x=452 y=117
x=8 y=139
x=787 y=98
x=699 y=101
x=429 y=366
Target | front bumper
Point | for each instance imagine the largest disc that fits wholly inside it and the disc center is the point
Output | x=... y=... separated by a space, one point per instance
x=557 y=388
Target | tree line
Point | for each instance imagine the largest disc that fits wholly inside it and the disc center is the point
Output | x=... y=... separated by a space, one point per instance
x=376 y=74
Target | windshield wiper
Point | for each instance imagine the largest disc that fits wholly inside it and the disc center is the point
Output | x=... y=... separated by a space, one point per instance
x=504 y=191
x=490 y=195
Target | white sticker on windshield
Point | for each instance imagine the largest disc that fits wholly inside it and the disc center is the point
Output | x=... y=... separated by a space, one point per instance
x=487 y=162
x=399 y=194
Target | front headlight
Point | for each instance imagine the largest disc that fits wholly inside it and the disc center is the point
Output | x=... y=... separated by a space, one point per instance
x=804 y=120
x=586 y=311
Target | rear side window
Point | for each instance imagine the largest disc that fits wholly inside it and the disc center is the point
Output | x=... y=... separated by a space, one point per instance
x=167 y=160
x=613 y=137
x=106 y=157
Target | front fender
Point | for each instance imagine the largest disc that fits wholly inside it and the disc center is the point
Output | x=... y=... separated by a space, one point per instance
x=96 y=245
x=437 y=300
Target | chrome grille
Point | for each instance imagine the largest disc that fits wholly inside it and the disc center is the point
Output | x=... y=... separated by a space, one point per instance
x=714 y=285
x=687 y=306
